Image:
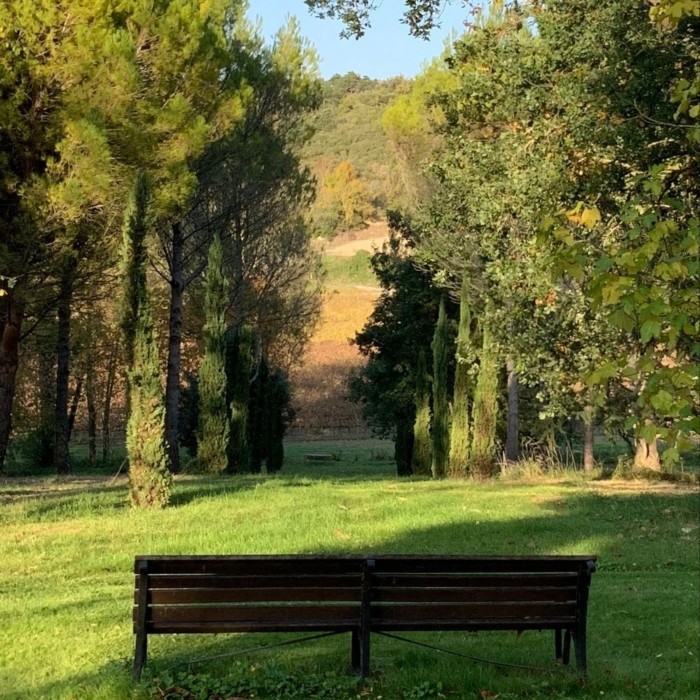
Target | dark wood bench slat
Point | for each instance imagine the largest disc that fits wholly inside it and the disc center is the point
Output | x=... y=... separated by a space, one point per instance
x=447 y=565
x=472 y=611
x=456 y=594
x=252 y=613
x=564 y=579
x=265 y=566
x=156 y=581
x=262 y=626
x=173 y=596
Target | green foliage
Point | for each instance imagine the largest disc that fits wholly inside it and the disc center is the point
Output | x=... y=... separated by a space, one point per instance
x=188 y=415
x=239 y=371
x=460 y=431
x=213 y=411
x=149 y=475
x=485 y=414
x=440 y=433
x=422 y=459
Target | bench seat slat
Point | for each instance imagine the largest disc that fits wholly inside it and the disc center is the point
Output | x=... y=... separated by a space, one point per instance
x=176 y=596
x=465 y=595
x=447 y=565
x=264 y=626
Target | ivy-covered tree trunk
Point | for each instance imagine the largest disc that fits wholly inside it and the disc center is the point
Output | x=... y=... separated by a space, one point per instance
x=513 y=429
x=239 y=364
x=172 y=382
x=422 y=458
x=459 y=433
x=441 y=407
x=213 y=437
x=485 y=409
x=149 y=476
x=260 y=426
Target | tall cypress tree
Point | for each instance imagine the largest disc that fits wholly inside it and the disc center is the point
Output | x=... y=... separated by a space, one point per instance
x=485 y=409
x=459 y=434
x=213 y=434
x=441 y=407
x=149 y=476
x=422 y=449
x=239 y=366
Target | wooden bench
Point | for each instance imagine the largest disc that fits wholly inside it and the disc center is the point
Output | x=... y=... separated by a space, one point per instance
x=360 y=595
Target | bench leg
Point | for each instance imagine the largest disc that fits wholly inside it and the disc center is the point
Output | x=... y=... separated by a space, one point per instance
x=580 y=649
x=140 y=655
x=355 y=645
x=567 y=648
x=557 y=646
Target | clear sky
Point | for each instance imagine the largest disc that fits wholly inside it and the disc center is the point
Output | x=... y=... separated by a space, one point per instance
x=386 y=50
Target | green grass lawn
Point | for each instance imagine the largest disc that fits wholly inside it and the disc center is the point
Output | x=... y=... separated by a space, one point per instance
x=66 y=585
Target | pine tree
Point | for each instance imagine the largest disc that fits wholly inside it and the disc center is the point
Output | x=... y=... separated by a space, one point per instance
x=422 y=448
x=149 y=476
x=459 y=434
x=239 y=365
x=485 y=409
x=213 y=433
x=441 y=406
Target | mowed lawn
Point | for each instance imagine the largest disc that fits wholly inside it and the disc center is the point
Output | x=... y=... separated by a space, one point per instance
x=66 y=583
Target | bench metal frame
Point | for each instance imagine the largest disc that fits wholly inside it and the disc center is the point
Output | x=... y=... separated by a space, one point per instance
x=361 y=595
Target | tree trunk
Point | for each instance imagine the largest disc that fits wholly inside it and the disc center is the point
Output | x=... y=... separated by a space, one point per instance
x=92 y=420
x=588 y=438
x=61 y=435
x=9 y=346
x=107 y=409
x=512 y=436
x=647 y=455
x=403 y=446
x=172 y=384
x=74 y=407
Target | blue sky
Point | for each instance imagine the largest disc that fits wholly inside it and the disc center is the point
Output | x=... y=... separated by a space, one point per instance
x=386 y=50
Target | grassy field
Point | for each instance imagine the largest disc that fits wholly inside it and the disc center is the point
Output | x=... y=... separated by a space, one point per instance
x=67 y=551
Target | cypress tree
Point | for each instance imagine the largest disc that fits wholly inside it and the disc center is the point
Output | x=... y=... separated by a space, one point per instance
x=133 y=268
x=258 y=437
x=485 y=409
x=278 y=411
x=213 y=433
x=459 y=434
x=422 y=448
x=239 y=367
x=441 y=406
x=149 y=476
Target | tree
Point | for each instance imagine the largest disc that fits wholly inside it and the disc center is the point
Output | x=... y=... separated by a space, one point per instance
x=440 y=433
x=422 y=458
x=483 y=447
x=460 y=432
x=213 y=435
x=240 y=362
x=149 y=475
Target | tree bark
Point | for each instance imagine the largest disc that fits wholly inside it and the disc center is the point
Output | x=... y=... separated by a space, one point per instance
x=74 y=407
x=588 y=439
x=9 y=360
x=61 y=426
x=107 y=409
x=172 y=384
x=647 y=455
x=92 y=419
x=512 y=436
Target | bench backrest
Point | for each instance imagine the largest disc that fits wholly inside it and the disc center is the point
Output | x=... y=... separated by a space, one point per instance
x=471 y=593
x=300 y=593
x=239 y=594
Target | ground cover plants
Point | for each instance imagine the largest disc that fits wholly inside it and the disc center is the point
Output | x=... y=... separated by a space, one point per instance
x=67 y=549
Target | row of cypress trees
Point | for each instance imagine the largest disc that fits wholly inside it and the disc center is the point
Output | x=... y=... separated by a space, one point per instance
x=458 y=439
